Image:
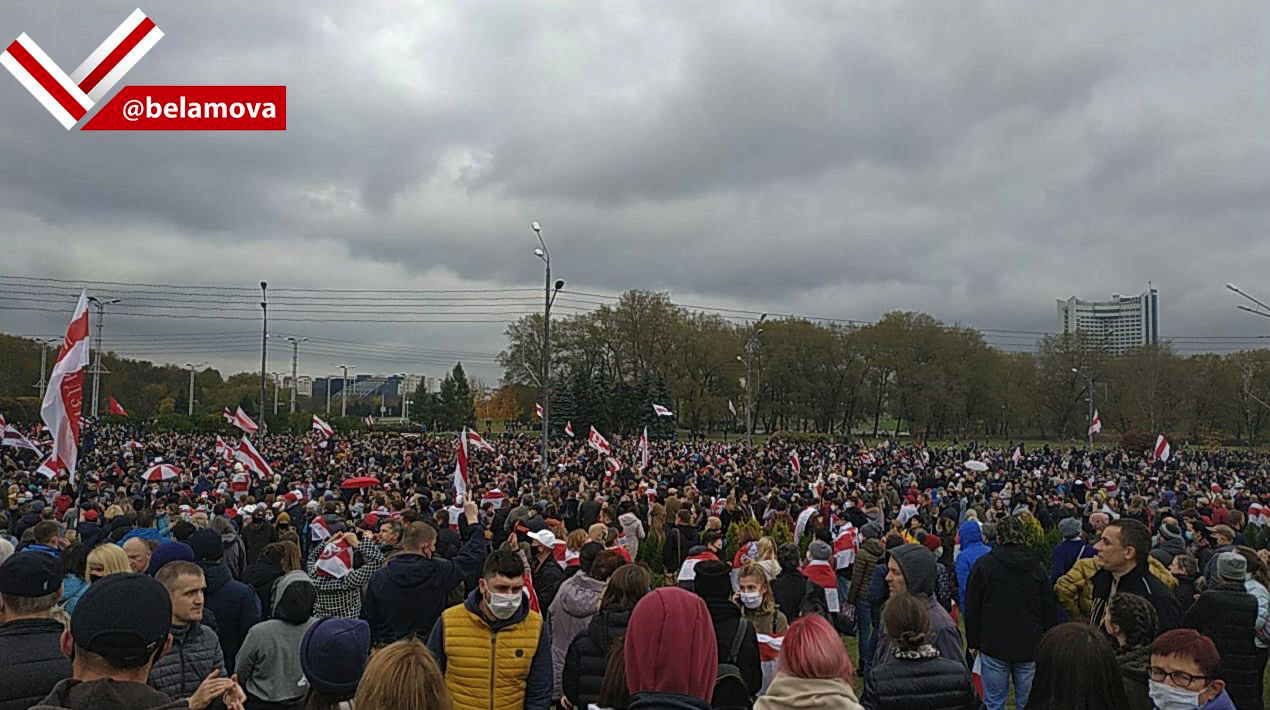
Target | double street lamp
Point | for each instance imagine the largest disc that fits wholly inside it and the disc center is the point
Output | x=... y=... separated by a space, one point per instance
x=1089 y=387
x=549 y=297
x=751 y=345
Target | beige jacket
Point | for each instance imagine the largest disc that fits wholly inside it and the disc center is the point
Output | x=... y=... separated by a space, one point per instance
x=790 y=693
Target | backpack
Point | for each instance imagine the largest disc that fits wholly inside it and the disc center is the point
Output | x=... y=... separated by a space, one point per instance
x=730 y=690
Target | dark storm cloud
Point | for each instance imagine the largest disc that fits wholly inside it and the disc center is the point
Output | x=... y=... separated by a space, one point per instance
x=975 y=160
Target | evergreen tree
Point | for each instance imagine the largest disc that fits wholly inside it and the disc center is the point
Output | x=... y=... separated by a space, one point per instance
x=457 y=407
x=660 y=427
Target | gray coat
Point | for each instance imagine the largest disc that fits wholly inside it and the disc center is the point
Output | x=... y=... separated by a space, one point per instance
x=577 y=600
x=195 y=652
x=268 y=664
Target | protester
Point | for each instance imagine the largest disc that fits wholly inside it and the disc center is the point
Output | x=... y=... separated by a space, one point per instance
x=795 y=594
x=866 y=559
x=670 y=623
x=546 y=572
x=1185 y=570
x=493 y=649
x=911 y=569
x=1186 y=672
x=737 y=639
x=972 y=548
x=74 y=575
x=1076 y=669
x=195 y=650
x=105 y=559
x=1123 y=554
x=1009 y=606
x=577 y=600
x=333 y=654
x=269 y=661
x=1227 y=614
x=233 y=603
x=341 y=596
x=586 y=661
x=1130 y=621
x=112 y=653
x=916 y=675
x=138 y=551
x=402 y=675
x=406 y=597
x=814 y=670
x=1071 y=549
x=31 y=660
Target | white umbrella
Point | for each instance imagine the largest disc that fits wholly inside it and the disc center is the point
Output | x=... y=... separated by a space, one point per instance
x=161 y=472
x=976 y=465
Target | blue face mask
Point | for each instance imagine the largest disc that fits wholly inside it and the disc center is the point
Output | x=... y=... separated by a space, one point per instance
x=1190 y=536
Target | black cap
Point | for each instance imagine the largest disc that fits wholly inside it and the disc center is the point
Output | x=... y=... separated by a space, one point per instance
x=124 y=618
x=30 y=574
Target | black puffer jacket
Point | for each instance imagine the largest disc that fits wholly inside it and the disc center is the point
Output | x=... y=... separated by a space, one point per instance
x=927 y=682
x=1227 y=614
x=585 y=662
x=31 y=662
x=195 y=652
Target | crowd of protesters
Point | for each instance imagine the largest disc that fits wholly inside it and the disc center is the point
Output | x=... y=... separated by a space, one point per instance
x=718 y=576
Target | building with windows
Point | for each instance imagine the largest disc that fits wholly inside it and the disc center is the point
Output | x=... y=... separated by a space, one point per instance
x=1116 y=325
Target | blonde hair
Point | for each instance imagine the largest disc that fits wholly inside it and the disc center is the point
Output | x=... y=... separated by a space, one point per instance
x=755 y=571
x=111 y=558
x=402 y=675
x=598 y=532
x=766 y=549
x=576 y=540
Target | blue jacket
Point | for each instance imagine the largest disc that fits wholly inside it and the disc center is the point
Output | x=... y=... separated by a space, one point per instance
x=972 y=548
x=1065 y=555
x=72 y=589
x=235 y=606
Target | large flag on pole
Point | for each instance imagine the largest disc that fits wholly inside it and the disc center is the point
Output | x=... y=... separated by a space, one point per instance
x=251 y=459
x=241 y=420
x=1162 y=450
x=460 y=469
x=538 y=410
x=1095 y=424
x=64 y=398
x=479 y=441
x=322 y=427
x=731 y=407
x=596 y=441
x=643 y=450
x=10 y=436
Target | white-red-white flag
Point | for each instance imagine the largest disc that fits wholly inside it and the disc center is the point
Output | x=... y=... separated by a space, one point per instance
x=64 y=399
x=479 y=441
x=46 y=81
x=99 y=73
x=318 y=529
x=251 y=459
x=662 y=411
x=494 y=497
x=845 y=545
x=336 y=559
x=322 y=427
x=613 y=465
x=794 y=462
x=223 y=450
x=643 y=450
x=117 y=409
x=460 y=469
x=370 y=420
x=1095 y=424
x=10 y=436
x=538 y=410
x=1162 y=450
x=1017 y=456
x=242 y=421
x=568 y=429
x=596 y=441
x=731 y=407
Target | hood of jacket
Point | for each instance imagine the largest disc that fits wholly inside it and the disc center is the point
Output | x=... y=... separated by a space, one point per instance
x=798 y=693
x=293 y=598
x=1133 y=662
x=1016 y=558
x=410 y=570
x=628 y=520
x=216 y=574
x=579 y=596
x=919 y=567
x=970 y=533
x=874 y=547
x=670 y=623
x=607 y=626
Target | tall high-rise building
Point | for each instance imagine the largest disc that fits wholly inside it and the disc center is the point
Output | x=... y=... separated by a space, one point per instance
x=1119 y=324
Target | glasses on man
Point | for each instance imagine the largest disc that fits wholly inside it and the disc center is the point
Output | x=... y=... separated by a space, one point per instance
x=1179 y=678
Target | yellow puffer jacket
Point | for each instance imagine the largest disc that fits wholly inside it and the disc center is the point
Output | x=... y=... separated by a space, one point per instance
x=497 y=666
x=1075 y=590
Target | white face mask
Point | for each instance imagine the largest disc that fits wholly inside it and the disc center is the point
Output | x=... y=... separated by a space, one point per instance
x=752 y=600
x=504 y=605
x=1166 y=697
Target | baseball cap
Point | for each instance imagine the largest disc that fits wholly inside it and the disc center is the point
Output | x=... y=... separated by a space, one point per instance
x=124 y=639
x=544 y=537
x=30 y=574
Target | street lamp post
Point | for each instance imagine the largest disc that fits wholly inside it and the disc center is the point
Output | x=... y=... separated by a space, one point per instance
x=264 y=350
x=343 y=391
x=1089 y=388
x=44 y=352
x=192 y=366
x=97 y=368
x=295 y=358
x=751 y=344
x=549 y=297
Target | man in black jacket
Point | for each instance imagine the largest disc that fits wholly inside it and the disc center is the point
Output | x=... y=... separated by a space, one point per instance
x=1009 y=605
x=31 y=660
x=713 y=583
x=1227 y=614
x=1123 y=551
x=546 y=572
x=680 y=538
x=407 y=596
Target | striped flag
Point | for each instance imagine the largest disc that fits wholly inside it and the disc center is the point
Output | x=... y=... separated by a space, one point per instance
x=117 y=409
x=538 y=410
x=1162 y=450
x=732 y=408
x=568 y=429
x=10 y=436
x=662 y=411
x=643 y=450
x=241 y=420
x=115 y=56
x=479 y=442
x=251 y=459
x=597 y=441
x=370 y=420
x=1095 y=424
x=46 y=81
x=322 y=427
x=460 y=469
x=794 y=462
x=64 y=398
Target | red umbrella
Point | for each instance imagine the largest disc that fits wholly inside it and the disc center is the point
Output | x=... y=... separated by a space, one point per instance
x=360 y=482
x=161 y=472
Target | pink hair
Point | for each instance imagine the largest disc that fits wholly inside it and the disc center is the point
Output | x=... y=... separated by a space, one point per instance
x=812 y=649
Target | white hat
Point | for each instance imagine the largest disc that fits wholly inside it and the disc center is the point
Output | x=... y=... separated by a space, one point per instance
x=238 y=468
x=545 y=538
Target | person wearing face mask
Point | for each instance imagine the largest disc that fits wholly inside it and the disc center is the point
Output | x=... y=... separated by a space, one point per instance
x=1186 y=673
x=493 y=650
x=406 y=597
x=758 y=606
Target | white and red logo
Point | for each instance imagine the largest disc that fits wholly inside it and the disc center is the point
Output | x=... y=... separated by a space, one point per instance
x=71 y=98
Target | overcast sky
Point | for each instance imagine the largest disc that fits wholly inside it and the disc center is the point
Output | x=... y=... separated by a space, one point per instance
x=839 y=159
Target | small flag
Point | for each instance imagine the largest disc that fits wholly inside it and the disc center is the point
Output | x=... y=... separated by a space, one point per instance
x=538 y=410
x=241 y=420
x=479 y=441
x=117 y=409
x=460 y=469
x=794 y=462
x=568 y=429
x=1018 y=455
x=322 y=427
x=251 y=459
x=643 y=450
x=731 y=407
x=318 y=530
x=596 y=441
x=10 y=436
x=1095 y=424
x=613 y=465
x=662 y=411
x=370 y=420
x=1162 y=450
x=336 y=559
x=845 y=545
